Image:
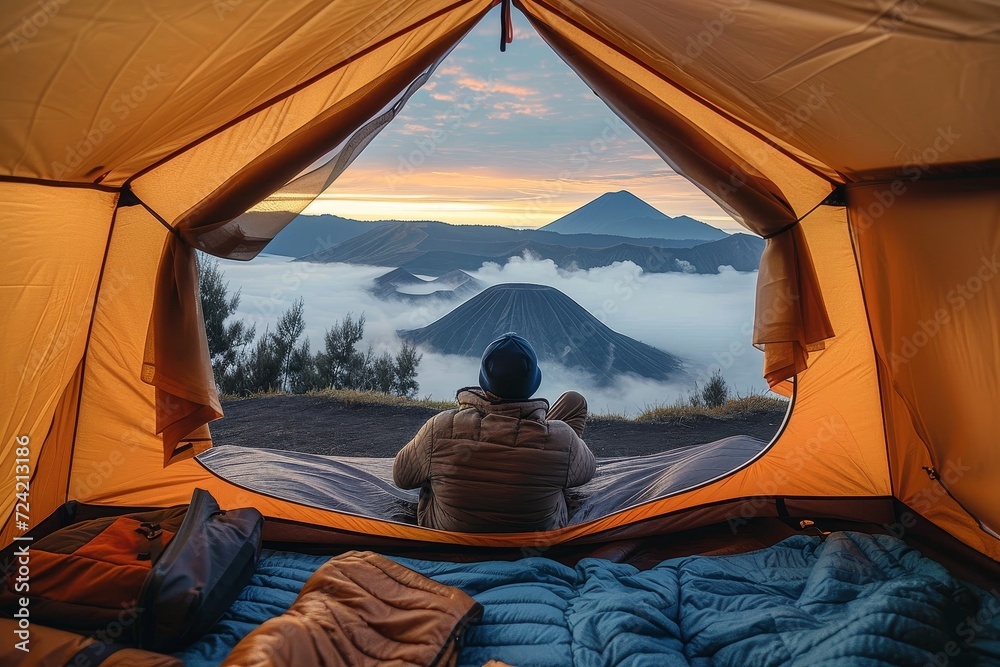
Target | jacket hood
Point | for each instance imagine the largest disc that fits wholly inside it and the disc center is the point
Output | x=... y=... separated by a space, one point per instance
x=477 y=398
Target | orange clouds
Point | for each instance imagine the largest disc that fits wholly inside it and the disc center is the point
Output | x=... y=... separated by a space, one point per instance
x=489 y=86
x=504 y=110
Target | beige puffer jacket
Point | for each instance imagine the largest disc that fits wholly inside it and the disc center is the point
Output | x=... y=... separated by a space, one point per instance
x=493 y=466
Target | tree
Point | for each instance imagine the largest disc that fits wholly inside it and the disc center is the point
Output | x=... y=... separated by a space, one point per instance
x=290 y=327
x=227 y=336
x=302 y=373
x=405 y=381
x=716 y=392
x=269 y=365
x=277 y=361
x=339 y=364
x=260 y=370
x=383 y=373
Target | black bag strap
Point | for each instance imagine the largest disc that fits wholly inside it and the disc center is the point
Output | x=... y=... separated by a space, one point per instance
x=94 y=654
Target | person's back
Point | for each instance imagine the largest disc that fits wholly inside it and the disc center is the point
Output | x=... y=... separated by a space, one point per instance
x=499 y=464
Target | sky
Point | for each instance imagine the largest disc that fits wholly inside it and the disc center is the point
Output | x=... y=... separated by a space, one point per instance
x=514 y=139
x=704 y=319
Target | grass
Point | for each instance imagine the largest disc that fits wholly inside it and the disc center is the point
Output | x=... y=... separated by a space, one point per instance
x=358 y=397
x=752 y=404
x=749 y=405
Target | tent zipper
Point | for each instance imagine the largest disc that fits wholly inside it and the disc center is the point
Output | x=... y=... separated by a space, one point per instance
x=933 y=474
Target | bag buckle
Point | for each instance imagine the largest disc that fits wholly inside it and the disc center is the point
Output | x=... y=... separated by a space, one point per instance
x=149 y=530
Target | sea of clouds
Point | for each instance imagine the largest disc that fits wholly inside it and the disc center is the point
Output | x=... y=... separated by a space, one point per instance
x=705 y=320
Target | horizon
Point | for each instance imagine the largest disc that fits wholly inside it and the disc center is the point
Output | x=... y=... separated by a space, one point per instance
x=512 y=139
x=315 y=214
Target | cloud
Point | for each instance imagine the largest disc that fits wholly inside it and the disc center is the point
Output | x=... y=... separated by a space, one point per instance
x=490 y=86
x=504 y=110
x=524 y=122
x=704 y=319
x=525 y=34
x=508 y=89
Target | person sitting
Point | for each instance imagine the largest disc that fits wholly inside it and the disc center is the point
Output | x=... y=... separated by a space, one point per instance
x=500 y=462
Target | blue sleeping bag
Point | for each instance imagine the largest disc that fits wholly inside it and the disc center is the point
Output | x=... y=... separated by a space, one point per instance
x=852 y=599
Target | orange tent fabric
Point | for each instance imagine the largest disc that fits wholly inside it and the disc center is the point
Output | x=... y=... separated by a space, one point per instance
x=135 y=133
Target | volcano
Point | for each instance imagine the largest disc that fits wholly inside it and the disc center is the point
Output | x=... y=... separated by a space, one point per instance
x=559 y=329
x=624 y=214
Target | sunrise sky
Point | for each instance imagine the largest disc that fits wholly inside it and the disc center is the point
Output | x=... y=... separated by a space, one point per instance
x=513 y=138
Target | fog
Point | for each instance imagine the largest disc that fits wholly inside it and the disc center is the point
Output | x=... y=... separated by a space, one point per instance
x=705 y=320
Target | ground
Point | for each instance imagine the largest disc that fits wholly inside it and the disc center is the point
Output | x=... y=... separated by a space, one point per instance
x=330 y=425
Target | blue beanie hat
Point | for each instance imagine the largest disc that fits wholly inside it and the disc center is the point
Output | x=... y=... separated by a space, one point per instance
x=510 y=368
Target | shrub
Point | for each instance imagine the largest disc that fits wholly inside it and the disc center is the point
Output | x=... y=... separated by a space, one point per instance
x=716 y=392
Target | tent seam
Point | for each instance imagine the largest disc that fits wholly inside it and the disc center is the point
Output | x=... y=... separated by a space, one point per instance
x=293 y=90
x=58 y=184
x=871 y=337
x=86 y=348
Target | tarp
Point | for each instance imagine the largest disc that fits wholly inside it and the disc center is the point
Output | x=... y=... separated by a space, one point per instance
x=364 y=487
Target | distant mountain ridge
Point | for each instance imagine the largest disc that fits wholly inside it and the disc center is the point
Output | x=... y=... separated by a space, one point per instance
x=623 y=214
x=400 y=284
x=558 y=328
x=612 y=218
x=310 y=234
x=435 y=248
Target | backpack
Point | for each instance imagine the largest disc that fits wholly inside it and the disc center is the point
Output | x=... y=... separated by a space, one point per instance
x=158 y=579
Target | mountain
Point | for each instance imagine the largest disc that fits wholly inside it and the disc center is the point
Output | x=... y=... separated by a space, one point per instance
x=308 y=233
x=390 y=243
x=435 y=248
x=611 y=219
x=624 y=214
x=560 y=330
x=402 y=285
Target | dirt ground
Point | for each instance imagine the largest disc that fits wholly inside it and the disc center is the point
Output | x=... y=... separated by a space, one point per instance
x=327 y=425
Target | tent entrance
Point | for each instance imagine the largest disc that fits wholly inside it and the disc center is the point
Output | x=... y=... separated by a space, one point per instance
x=363 y=486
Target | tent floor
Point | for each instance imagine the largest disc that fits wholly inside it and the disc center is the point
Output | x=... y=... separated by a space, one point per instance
x=643 y=552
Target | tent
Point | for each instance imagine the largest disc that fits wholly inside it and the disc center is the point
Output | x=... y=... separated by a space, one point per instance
x=854 y=135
